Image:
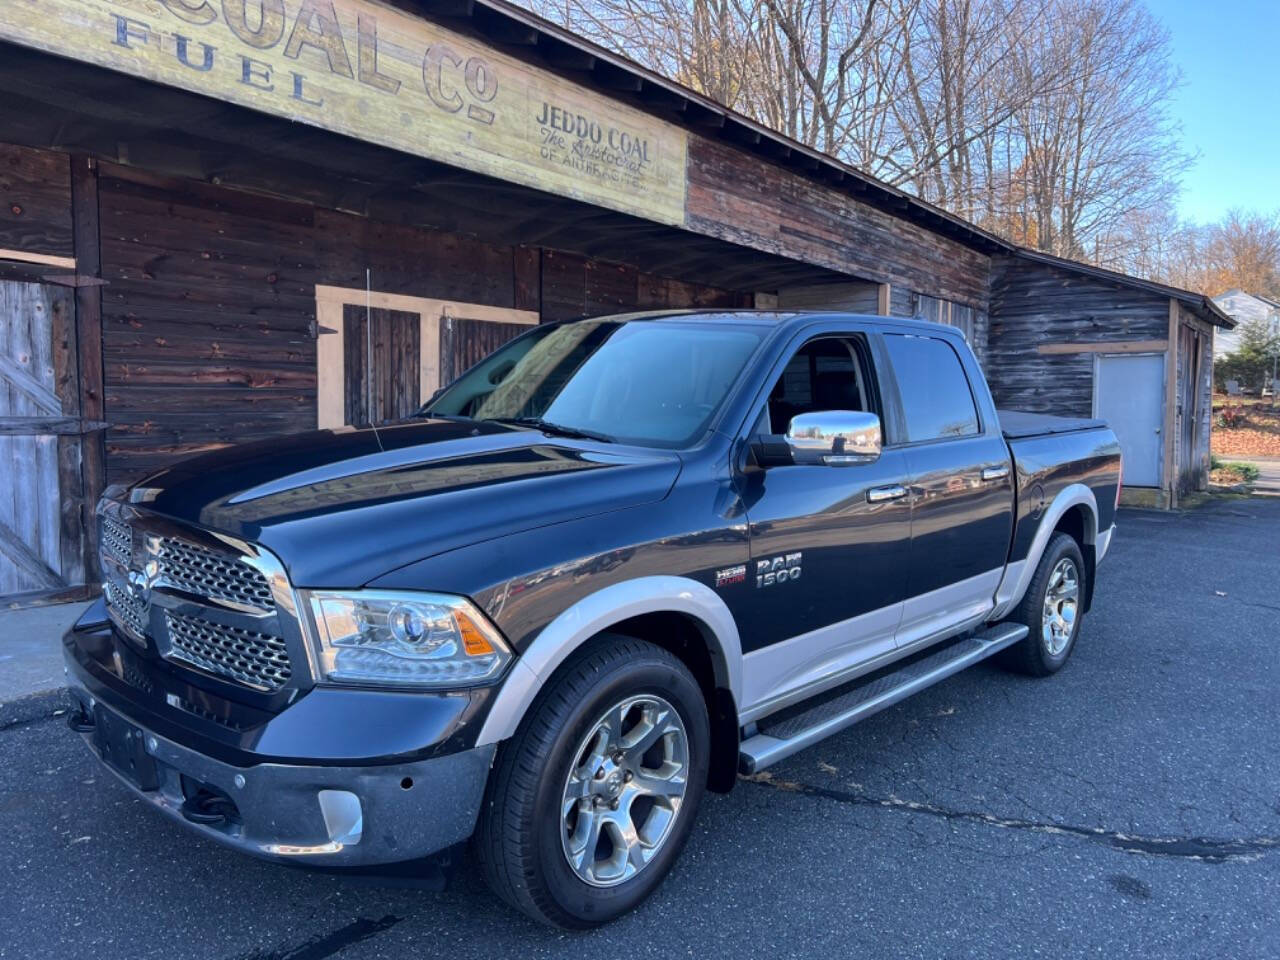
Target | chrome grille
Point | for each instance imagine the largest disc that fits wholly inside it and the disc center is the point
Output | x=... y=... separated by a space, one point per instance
x=207 y=574
x=255 y=659
x=131 y=611
x=117 y=540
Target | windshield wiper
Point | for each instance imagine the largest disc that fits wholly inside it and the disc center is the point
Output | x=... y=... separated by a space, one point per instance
x=556 y=429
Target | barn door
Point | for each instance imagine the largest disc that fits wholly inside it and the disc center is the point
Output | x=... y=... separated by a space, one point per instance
x=379 y=356
x=386 y=380
x=466 y=340
x=41 y=527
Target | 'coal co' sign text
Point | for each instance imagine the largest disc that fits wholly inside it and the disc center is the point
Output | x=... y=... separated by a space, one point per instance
x=373 y=72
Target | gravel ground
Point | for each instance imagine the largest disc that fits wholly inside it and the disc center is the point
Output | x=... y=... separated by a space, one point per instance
x=1127 y=807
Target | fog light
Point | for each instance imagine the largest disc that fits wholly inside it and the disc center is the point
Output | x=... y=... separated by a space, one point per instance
x=343 y=817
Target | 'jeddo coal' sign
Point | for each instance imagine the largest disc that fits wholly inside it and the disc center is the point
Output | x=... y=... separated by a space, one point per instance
x=373 y=72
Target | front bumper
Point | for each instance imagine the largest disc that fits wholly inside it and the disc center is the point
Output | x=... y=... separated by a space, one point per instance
x=331 y=807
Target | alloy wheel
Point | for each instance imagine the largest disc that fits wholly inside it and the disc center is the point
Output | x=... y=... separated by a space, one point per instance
x=1061 y=606
x=624 y=790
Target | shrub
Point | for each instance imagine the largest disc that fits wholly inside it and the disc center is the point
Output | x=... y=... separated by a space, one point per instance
x=1232 y=416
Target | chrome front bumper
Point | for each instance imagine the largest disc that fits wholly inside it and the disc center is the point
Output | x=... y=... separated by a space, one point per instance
x=324 y=815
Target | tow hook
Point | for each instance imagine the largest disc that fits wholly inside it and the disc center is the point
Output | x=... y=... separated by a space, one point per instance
x=79 y=719
x=209 y=809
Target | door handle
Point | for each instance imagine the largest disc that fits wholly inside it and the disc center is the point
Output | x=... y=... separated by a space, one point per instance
x=994 y=473
x=895 y=491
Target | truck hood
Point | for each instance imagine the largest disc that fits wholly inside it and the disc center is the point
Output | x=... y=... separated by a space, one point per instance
x=342 y=507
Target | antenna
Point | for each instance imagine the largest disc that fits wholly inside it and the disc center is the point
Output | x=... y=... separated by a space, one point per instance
x=368 y=355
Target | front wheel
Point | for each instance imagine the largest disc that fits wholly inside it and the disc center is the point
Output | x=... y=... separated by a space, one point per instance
x=1052 y=608
x=591 y=802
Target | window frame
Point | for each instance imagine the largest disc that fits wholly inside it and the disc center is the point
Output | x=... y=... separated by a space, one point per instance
x=903 y=429
x=865 y=358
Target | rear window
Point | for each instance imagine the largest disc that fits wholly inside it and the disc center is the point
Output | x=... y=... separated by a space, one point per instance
x=936 y=398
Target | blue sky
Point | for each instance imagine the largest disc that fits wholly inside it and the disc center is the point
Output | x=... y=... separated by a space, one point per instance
x=1229 y=104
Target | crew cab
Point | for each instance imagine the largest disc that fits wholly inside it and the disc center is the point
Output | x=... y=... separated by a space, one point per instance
x=617 y=563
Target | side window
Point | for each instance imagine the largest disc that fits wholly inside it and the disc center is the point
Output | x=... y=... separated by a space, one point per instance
x=936 y=398
x=825 y=374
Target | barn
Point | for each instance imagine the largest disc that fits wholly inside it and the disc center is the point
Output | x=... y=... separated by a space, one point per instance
x=208 y=208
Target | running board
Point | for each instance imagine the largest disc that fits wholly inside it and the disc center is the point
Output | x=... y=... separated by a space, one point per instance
x=780 y=739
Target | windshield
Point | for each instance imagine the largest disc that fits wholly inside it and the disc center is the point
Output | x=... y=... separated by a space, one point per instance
x=643 y=382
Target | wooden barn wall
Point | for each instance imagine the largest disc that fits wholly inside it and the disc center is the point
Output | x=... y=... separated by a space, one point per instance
x=1196 y=477
x=1034 y=305
x=902 y=301
x=575 y=286
x=855 y=296
x=35 y=201
x=207 y=317
x=747 y=200
x=209 y=308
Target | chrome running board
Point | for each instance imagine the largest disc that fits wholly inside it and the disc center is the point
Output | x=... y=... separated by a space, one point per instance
x=792 y=732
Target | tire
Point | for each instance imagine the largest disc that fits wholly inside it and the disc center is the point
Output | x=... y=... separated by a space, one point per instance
x=531 y=826
x=1049 y=644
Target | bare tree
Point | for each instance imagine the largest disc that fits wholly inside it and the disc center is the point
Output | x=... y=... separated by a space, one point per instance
x=1043 y=120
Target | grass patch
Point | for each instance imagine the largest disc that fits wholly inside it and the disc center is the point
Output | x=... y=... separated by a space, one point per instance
x=1230 y=472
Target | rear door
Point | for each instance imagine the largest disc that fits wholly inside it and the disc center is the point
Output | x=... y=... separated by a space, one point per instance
x=960 y=481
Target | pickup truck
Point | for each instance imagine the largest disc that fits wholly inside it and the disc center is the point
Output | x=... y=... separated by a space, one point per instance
x=617 y=563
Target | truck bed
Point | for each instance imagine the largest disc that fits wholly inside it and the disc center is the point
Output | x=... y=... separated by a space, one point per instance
x=1018 y=425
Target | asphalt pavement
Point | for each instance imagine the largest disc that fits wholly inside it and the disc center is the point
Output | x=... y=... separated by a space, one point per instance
x=1127 y=807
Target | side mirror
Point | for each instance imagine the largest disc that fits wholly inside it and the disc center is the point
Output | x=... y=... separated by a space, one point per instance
x=836 y=438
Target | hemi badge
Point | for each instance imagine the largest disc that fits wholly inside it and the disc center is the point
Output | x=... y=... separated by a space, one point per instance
x=731 y=575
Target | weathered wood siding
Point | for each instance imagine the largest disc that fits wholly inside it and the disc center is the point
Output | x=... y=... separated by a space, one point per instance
x=1194 y=404
x=465 y=341
x=396 y=343
x=34 y=359
x=856 y=297
x=902 y=301
x=35 y=201
x=575 y=286
x=411 y=260
x=207 y=318
x=747 y=200
x=1036 y=304
x=209 y=308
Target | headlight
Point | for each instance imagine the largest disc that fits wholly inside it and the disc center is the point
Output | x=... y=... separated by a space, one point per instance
x=414 y=639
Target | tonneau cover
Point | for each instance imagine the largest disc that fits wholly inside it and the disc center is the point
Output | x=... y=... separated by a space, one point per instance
x=1017 y=425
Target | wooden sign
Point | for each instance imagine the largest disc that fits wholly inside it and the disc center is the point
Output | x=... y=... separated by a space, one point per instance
x=363 y=69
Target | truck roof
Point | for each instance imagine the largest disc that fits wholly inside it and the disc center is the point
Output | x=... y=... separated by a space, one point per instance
x=771 y=318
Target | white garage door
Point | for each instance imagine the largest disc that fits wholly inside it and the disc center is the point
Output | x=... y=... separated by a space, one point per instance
x=1128 y=393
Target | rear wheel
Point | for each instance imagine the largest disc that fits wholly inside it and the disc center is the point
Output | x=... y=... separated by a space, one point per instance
x=591 y=802
x=1052 y=609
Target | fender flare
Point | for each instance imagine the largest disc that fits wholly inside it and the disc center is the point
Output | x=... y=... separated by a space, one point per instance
x=595 y=613
x=1018 y=574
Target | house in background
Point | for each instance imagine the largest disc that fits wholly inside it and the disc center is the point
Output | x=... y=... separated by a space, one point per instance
x=1241 y=307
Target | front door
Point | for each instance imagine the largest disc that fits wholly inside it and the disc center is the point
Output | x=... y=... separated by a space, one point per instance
x=829 y=544
x=1129 y=395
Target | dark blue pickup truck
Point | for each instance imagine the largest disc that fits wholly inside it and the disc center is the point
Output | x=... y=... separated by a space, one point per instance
x=615 y=564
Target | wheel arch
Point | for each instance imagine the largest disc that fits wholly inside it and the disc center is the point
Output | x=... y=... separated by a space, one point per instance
x=679 y=614
x=1076 y=507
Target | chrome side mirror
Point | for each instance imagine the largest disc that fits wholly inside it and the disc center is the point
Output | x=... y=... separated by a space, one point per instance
x=834 y=437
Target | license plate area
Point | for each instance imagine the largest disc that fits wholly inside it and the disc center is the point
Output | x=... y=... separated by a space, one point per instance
x=122 y=747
